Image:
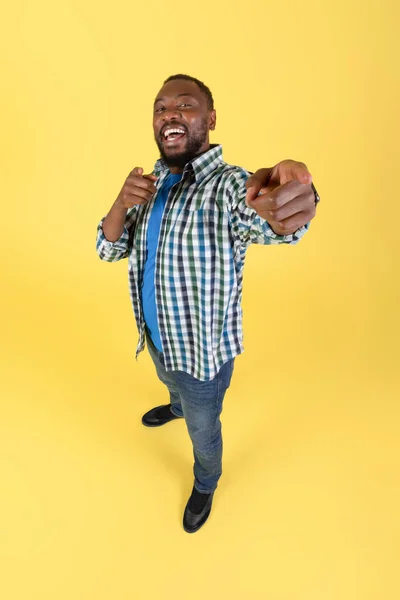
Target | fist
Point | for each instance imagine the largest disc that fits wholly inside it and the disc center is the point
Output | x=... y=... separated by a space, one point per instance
x=137 y=189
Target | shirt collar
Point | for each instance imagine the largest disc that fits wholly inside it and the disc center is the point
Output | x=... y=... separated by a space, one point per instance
x=201 y=166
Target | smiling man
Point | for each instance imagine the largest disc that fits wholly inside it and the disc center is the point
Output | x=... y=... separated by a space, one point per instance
x=181 y=140
x=185 y=230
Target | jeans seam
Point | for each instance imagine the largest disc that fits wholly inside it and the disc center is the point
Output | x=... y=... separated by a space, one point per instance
x=218 y=387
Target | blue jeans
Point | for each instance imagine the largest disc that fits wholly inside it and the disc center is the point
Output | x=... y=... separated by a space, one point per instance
x=200 y=403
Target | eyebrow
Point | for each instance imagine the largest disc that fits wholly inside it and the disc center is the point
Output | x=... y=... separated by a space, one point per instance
x=177 y=96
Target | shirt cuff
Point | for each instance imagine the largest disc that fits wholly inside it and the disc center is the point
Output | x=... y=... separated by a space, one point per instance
x=119 y=244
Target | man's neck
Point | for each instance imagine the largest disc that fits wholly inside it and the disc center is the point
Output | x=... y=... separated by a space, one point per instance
x=175 y=170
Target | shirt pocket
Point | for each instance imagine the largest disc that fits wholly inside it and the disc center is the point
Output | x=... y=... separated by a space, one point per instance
x=185 y=222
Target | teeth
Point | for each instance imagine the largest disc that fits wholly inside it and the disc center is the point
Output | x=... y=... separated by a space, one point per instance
x=169 y=131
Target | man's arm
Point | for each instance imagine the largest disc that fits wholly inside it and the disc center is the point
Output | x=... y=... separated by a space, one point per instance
x=113 y=231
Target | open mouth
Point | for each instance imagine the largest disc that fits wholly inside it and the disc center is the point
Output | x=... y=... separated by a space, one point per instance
x=172 y=136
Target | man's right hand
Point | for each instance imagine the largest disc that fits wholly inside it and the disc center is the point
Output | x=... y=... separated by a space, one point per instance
x=137 y=189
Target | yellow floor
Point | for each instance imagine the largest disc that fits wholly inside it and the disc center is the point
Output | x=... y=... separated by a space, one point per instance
x=92 y=501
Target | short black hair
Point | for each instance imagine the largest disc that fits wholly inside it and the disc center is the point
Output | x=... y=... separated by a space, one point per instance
x=200 y=84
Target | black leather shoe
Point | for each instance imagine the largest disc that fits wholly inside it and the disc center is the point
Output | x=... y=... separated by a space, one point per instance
x=159 y=416
x=197 y=510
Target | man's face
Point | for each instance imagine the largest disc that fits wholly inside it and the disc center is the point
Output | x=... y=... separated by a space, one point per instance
x=181 y=105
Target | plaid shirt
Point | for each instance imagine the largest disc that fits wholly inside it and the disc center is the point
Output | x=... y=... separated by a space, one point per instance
x=205 y=231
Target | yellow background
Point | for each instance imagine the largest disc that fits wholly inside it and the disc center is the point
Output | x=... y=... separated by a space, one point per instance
x=91 y=502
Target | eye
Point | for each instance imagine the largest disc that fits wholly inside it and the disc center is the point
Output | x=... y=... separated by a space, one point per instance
x=159 y=109
x=185 y=104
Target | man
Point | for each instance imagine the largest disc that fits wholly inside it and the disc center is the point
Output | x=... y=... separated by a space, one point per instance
x=185 y=229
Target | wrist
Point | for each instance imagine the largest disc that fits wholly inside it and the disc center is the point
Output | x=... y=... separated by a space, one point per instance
x=119 y=206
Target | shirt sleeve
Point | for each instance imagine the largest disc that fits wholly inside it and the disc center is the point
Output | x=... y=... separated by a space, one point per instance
x=114 y=251
x=247 y=223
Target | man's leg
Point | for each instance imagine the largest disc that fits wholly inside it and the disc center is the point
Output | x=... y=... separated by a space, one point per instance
x=167 y=377
x=202 y=406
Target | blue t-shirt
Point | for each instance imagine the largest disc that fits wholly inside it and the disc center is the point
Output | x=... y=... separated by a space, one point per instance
x=148 y=286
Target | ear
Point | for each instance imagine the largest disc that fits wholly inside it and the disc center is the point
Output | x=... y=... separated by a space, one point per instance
x=212 y=120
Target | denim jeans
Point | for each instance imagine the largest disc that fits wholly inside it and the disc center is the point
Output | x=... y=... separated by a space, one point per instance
x=200 y=403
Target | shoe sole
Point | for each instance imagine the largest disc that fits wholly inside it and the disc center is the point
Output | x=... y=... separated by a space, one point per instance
x=161 y=424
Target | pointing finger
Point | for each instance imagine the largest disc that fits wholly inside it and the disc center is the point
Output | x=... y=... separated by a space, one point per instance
x=295 y=170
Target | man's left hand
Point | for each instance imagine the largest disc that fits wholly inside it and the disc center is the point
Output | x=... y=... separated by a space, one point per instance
x=287 y=200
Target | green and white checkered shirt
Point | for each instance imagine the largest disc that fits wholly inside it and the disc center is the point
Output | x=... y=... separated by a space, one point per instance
x=205 y=231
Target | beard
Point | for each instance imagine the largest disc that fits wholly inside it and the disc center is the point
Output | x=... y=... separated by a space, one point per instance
x=195 y=139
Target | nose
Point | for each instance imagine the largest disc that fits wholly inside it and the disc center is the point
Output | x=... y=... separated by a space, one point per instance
x=170 y=114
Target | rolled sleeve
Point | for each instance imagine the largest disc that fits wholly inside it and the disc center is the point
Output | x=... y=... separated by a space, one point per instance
x=114 y=251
